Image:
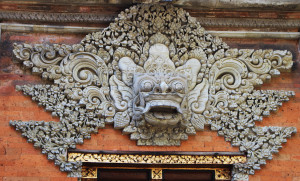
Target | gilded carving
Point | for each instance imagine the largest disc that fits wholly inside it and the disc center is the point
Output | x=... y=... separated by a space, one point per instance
x=155 y=159
x=157 y=75
x=222 y=174
x=156 y=174
x=89 y=172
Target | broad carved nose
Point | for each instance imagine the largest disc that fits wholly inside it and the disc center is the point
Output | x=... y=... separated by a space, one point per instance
x=164 y=87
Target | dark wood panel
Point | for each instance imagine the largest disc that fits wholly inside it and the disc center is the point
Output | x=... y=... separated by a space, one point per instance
x=158 y=152
x=123 y=174
x=188 y=175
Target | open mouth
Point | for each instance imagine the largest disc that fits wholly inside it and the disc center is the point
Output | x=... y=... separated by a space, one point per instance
x=163 y=116
x=162 y=106
x=162 y=112
x=166 y=110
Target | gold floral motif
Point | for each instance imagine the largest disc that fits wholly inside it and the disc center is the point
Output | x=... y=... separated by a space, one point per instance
x=222 y=174
x=89 y=172
x=155 y=159
x=156 y=173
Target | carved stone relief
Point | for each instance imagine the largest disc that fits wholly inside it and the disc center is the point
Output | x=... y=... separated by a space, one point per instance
x=96 y=18
x=155 y=74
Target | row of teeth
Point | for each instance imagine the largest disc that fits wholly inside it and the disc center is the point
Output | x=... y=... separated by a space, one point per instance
x=162 y=103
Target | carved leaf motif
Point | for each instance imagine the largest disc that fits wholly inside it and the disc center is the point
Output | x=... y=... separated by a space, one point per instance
x=45 y=56
x=22 y=52
x=128 y=68
x=190 y=70
x=257 y=63
x=94 y=96
x=121 y=94
x=229 y=73
x=121 y=120
x=74 y=93
x=159 y=60
x=198 y=121
x=104 y=55
x=198 y=97
x=85 y=68
x=173 y=50
x=198 y=54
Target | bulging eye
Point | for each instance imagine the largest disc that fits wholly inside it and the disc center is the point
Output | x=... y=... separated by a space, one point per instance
x=147 y=86
x=178 y=87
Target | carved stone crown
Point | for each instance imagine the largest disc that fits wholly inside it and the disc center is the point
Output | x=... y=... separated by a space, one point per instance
x=155 y=74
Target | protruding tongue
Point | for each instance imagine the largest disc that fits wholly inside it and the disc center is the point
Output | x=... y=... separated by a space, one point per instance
x=162 y=115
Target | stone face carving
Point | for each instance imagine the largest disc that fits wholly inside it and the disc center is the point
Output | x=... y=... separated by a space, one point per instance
x=155 y=74
x=160 y=96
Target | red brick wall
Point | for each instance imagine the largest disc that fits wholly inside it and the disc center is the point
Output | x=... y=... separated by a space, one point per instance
x=19 y=160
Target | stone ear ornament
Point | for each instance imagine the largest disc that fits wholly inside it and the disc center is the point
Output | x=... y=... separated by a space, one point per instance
x=155 y=74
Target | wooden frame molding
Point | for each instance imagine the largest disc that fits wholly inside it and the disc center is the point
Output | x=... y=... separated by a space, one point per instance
x=157 y=173
x=158 y=161
x=30 y=28
x=107 y=18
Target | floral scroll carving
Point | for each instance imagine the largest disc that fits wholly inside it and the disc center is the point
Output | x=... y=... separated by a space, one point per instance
x=155 y=74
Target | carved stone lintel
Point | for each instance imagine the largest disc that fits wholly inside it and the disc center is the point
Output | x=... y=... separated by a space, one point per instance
x=249 y=22
x=55 y=17
x=98 y=18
